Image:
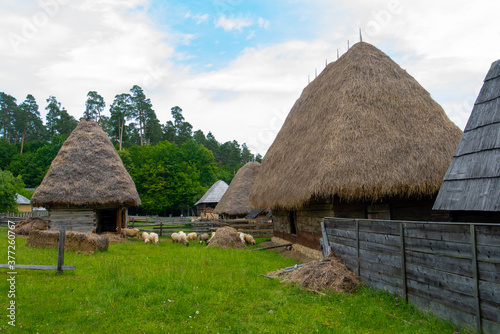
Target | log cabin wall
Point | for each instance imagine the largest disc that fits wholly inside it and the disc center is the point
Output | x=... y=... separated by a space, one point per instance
x=308 y=219
x=72 y=219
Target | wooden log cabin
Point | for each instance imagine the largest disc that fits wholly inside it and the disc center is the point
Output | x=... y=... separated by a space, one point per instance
x=471 y=186
x=364 y=140
x=207 y=203
x=87 y=188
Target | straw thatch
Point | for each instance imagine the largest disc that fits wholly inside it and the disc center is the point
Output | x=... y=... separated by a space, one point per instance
x=77 y=241
x=86 y=171
x=364 y=129
x=235 y=201
x=26 y=226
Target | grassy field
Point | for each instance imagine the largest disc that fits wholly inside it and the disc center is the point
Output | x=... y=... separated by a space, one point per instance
x=139 y=288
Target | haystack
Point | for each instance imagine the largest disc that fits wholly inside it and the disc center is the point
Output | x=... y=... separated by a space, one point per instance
x=318 y=276
x=235 y=201
x=31 y=224
x=76 y=241
x=226 y=237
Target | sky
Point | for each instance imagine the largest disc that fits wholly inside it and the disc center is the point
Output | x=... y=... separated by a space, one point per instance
x=236 y=67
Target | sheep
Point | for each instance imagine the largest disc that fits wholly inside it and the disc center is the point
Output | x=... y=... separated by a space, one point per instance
x=130 y=232
x=180 y=237
x=192 y=236
x=151 y=237
x=204 y=237
x=249 y=239
x=145 y=237
x=242 y=237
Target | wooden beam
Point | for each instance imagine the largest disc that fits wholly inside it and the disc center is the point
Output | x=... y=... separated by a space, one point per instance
x=60 y=254
x=35 y=267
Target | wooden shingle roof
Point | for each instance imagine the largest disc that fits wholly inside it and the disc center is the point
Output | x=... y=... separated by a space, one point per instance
x=472 y=182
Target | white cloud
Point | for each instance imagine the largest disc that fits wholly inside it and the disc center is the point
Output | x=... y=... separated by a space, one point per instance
x=263 y=23
x=232 y=22
x=199 y=18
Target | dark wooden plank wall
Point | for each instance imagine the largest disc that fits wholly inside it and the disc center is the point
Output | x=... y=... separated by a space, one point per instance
x=79 y=220
x=449 y=268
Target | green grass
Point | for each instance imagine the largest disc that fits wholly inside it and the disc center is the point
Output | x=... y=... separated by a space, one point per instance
x=139 y=288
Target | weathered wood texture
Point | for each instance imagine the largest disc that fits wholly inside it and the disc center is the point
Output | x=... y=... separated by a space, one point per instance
x=78 y=220
x=435 y=263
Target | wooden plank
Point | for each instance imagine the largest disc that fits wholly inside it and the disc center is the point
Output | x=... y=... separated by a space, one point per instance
x=403 y=260
x=440 y=279
x=475 y=278
x=347 y=224
x=379 y=226
x=455 y=233
x=454 y=265
x=444 y=248
x=488 y=253
x=36 y=267
x=60 y=251
x=488 y=235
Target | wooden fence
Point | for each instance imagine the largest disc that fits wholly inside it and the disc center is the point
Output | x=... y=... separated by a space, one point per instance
x=17 y=217
x=258 y=228
x=452 y=269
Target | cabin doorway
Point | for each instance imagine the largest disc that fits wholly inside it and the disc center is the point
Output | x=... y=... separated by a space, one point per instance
x=106 y=221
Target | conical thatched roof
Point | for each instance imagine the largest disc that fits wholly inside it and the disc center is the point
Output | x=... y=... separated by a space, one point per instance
x=236 y=199
x=363 y=129
x=214 y=194
x=86 y=171
x=472 y=182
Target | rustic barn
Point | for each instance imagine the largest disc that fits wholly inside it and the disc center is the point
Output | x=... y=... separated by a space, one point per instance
x=87 y=187
x=471 y=186
x=364 y=140
x=236 y=203
x=209 y=200
x=23 y=204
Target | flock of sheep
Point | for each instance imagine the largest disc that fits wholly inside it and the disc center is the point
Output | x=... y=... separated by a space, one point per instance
x=179 y=237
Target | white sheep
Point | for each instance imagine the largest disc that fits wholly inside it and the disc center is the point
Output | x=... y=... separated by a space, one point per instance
x=242 y=237
x=180 y=237
x=153 y=238
x=192 y=236
x=145 y=237
x=249 y=239
x=204 y=237
x=130 y=232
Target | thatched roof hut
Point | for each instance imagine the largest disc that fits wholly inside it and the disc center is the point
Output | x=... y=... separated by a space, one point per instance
x=87 y=174
x=472 y=182
x=235 y=202
x=364 y=129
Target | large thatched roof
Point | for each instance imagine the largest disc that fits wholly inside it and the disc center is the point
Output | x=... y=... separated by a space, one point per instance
x=214 y=194
x=236 y=199
x=86 y=171
x=472 y=182
x=363 y=129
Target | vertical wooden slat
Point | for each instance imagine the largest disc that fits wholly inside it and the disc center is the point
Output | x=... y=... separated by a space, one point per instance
x=403 y=260
x=326 y=244
x=60 y=253
x=475 y=277
x=358 y=255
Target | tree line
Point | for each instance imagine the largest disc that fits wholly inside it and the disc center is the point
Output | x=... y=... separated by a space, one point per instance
x=171 y=165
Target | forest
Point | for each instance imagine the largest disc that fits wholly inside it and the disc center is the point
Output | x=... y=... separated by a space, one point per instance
x=172 y=165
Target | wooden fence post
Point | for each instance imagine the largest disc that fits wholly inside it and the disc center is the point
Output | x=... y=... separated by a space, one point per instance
x=358 y=255
x=161 y=228
x=403 y=260
x=475 y=278
x=60 y=255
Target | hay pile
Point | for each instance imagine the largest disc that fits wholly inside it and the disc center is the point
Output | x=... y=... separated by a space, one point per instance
x=226 y=237
x=318 y=276
x=31 y=224
x=77 y=241
x=114 y=238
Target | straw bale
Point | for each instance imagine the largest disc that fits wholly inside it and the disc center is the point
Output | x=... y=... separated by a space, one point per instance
x=364 y=129
x=226 y=237
x=26 y=226
x=331 y=276
x=76 y=241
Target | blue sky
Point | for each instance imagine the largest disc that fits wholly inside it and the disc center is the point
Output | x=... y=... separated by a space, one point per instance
x=236 y=67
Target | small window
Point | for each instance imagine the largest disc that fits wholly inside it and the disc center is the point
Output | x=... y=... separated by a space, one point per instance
x=292 y=218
